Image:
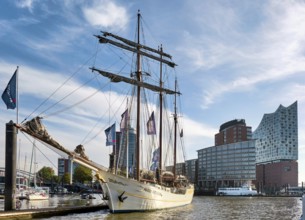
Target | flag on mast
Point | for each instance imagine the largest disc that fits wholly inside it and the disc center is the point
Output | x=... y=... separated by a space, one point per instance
x=151 y=125
x=123 y=124
x=110 y=135
x=9 y=95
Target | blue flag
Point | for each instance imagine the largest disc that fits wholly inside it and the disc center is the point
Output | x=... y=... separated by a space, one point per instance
x=151 y=125
x=9 y=95
x=110 y=135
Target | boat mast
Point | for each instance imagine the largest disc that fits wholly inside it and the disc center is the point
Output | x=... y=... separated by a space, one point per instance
x=175 y=130
x=161 y=116
x=138 y=99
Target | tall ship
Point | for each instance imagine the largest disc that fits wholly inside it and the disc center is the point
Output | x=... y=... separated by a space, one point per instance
x=137 y=179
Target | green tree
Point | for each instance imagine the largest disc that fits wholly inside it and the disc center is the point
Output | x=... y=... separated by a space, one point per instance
x=82 y=174
x=55 y=179
x=46 y=173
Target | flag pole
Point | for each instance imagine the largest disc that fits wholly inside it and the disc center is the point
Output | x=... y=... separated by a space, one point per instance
x=17 y=102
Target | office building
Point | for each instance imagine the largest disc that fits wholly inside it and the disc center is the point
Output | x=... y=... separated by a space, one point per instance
x=191 y=170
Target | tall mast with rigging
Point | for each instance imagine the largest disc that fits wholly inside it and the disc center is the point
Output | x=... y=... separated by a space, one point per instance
x=175 y=131
x=161 y=115
x=138 y=100
x=140 y=50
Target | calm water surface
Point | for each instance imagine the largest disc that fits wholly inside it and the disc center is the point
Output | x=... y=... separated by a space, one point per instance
x=202 y=207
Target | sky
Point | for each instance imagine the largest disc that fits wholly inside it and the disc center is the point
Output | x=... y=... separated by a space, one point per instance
x=236 y=60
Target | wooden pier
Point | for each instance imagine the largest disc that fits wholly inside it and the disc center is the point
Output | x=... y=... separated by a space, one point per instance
x=49 y=212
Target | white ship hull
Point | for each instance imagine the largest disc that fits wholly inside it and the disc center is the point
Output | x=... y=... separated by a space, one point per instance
x=128 y=195
x=37 y=196
x=237 y=191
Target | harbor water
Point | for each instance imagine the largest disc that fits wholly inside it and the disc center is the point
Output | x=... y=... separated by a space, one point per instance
x=202 y=207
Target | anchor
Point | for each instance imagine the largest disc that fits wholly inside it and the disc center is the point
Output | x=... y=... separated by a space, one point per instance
x=121 y=198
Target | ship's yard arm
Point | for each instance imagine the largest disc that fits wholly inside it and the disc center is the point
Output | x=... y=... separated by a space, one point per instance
x=35 y=129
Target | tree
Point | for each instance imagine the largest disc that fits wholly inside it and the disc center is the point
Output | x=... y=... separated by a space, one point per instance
x=82 y=174
x=46 y=173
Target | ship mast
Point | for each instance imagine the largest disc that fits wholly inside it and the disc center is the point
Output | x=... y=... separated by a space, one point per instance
x=140 y=50
x=138 y=100
x=175 y=131
x=161 y=115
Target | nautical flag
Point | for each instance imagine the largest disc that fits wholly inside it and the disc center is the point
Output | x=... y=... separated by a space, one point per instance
x=151 y=125
x=123 y=124
x=155 y=159
x=110 y=135
x=9 y=95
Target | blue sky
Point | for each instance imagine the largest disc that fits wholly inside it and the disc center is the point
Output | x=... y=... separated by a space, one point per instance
x=236 y=59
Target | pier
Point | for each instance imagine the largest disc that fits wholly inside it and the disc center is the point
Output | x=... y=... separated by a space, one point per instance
x=49 y=212
x=9 y=197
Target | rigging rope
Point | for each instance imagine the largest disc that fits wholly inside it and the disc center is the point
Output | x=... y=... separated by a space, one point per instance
x=64 y=99
x=33 y=143
x=68 y=79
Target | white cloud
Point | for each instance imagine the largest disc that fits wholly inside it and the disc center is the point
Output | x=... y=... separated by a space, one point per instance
x=276 y=52
x=25 y=4
x=69 y=128
x=106 y=14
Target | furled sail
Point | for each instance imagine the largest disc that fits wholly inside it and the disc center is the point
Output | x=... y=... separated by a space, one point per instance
x=103 y=39
x=36 y=129
x=117 y=78
x=133 y=44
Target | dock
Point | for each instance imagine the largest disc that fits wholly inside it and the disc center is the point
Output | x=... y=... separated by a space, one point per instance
x=49 y=212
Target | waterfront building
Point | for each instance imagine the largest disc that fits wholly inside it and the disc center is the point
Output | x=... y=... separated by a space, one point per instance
x=232 y=132
x=191 y=170
x=277 y=149
x=271 y=178
x=180 y=169
x=226 y=165
x=231 y=162
x=64 y=166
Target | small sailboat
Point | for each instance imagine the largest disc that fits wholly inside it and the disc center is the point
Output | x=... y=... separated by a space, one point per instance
x=131 y=184
x=36 y=192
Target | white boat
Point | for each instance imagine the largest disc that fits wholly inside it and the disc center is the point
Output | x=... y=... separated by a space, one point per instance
x=130 y=187
x=236 y=191
x=38 y=193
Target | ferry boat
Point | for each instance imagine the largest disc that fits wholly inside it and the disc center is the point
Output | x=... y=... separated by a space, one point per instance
x=236 y=191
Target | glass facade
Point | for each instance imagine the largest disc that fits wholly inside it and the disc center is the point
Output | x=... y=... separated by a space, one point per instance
x=121 y=149
x=226 y=165
x=277 y=135
x=191 y=170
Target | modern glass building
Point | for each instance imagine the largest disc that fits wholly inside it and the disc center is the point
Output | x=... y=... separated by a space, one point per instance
x=191 y=170
x=119 y=152
x=277 y=150
x=226 y=165
x=277 y=135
